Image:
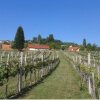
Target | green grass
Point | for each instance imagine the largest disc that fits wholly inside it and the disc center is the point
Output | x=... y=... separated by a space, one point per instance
x=63 y=83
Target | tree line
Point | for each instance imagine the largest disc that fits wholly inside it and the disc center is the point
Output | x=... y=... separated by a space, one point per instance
x=88 y=46
x=20 y=42
x=49 y=40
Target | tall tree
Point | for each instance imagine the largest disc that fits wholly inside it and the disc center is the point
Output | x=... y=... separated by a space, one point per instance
x=84 y=43
x=50 y=38
x=19 y=39
x=39 y=39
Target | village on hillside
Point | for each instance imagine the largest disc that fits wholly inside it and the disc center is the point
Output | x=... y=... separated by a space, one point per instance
x=6 y=45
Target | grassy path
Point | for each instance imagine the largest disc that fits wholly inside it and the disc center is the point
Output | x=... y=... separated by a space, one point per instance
x=63 y=83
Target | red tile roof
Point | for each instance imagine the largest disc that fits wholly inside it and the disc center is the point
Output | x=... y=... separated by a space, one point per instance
x=37 y=46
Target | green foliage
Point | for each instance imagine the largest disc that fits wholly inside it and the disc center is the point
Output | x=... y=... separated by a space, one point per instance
x=50 y=38
x=82 y=85
x=14 y=66
x=1 y=76
x=19 y=39
x=94 y=47
x=63 y=47
x=85 y=69
x=7 y=71
x=88 y=46
x=81 y=48
x=54 y=45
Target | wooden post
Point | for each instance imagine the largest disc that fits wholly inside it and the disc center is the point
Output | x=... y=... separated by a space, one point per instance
x=94 y=95
x=89 y=81
x=25 y=60
x=42 y=57
x=98 y=71
x=94 y=61
x=30 y=70
x=42 y=66
x=89 y=85
x=89 y=62
x=20 y=73
x=25 y=65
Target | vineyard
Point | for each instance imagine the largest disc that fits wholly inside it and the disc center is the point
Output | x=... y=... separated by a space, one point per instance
x=87 y=65
x=19 y=70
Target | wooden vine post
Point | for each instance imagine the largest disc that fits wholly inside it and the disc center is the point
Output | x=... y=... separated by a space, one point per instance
x=89 y=81
x=94 y=95
x=98 y=71
x=25 y=69
x=31 y=70
x=20 y=73
x=34 y=71
x=42 y=70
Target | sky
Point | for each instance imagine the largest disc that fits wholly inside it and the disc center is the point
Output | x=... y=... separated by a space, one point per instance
x=67 y=20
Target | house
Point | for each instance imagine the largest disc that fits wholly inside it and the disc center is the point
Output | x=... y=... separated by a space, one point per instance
x=6 y=46
x=38 y=47
x=73 y=49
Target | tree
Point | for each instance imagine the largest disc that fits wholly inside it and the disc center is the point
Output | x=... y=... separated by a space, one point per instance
x=63 y=47
x=35 y=40
x=39 y=39
x=54 y=45
x=94 y=47
x=89 y=47
x=19 y=39
x=50 y=38
x=84 y=43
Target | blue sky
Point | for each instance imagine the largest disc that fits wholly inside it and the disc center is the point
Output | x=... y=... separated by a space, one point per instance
x=68 y=20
